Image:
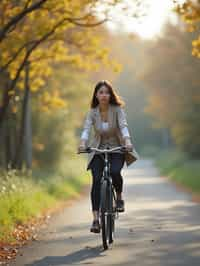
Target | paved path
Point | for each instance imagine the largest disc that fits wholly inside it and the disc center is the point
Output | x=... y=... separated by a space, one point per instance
x=161 y=226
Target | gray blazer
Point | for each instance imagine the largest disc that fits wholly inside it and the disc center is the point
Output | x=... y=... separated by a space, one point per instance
x=117 y=120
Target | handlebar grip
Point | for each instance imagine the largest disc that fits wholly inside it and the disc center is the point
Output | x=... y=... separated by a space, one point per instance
x=88 y=149
x=123 y=148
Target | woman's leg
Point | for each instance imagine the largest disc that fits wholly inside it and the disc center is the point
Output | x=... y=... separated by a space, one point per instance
x=117 y=162
x=97 y=165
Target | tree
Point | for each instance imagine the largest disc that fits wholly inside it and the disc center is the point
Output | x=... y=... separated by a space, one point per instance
x=189 y=12
x=44 y=34
x=173 y=85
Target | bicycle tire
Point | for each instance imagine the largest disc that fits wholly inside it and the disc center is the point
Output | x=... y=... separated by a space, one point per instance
x=114 y=208
x=104 y=214
x=111 y=213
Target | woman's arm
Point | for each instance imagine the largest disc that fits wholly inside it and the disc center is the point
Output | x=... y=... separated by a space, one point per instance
x=122 y=122
x=123 y=125
x=87 y=126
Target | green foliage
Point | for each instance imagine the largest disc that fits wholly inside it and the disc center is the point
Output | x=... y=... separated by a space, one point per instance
x=170 y=159
x=180 y=168
x=23 y=197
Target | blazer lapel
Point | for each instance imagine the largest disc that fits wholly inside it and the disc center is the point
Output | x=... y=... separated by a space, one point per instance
x=110 y=115
x=98 y=118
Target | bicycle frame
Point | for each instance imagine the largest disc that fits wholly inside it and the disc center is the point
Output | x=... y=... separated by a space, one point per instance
x=107 y=176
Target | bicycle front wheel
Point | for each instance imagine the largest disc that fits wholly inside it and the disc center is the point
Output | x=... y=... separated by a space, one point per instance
x=111 y=216
x=105 y=220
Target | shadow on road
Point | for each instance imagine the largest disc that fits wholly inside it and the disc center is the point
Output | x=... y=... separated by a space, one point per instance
x=72 y=258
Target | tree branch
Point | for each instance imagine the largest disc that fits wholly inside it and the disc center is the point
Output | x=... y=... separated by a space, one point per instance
x=13 y=21
x=5 y=66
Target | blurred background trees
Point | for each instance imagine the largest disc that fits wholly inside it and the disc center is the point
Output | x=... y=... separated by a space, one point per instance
x=53 y=53
x=45 y=47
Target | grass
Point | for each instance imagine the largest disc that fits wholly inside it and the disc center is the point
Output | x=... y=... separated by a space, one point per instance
x=178 y=167
x=23 y=196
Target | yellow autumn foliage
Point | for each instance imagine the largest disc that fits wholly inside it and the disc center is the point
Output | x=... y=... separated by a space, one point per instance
x=67 y=43
x=189 y=12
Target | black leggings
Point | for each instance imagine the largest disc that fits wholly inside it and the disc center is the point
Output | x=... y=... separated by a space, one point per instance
x=97 y=165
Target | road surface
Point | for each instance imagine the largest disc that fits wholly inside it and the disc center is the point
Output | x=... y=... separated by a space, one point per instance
x=161 y=226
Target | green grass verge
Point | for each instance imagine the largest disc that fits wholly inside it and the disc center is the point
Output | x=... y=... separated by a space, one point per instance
x=25 y=196
x=180 y=168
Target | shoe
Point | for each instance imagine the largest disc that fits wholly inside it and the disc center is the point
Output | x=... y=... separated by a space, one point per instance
x=120 y=205
x=95 y=228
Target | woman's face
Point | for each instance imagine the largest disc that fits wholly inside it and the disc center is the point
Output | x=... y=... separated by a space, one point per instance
x=103 y=95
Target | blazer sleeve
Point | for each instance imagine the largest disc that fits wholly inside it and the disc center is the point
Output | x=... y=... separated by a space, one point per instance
x=87 y=126
x=122 y=122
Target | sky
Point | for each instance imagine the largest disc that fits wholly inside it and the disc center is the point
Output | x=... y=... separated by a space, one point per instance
x=155 y=14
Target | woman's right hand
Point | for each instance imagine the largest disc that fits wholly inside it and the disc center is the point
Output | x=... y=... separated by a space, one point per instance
x=82 y=146
x=128 y=144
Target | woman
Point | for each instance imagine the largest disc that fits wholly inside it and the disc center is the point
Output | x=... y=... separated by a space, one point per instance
x=111 y=130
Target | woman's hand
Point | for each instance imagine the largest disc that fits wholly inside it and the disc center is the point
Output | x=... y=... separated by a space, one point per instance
x=82 y=146
x=128 y=144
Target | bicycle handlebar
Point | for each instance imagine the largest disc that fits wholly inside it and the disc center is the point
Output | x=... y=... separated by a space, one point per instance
x=90 y=149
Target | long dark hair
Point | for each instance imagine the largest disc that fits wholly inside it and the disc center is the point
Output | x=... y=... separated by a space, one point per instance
x=114 y=97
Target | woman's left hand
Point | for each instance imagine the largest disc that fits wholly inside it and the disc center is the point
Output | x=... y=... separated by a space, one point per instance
x=128 y=144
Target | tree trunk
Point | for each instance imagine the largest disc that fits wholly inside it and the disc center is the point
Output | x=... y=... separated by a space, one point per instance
x=28 y=127
x=24 y=147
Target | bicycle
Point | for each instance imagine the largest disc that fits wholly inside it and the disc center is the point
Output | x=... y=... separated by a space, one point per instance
x=107 y=211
